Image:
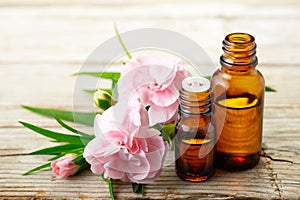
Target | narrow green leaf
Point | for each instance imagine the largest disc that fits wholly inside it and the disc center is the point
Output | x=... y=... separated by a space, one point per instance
x=115 y=76
x=78 y=151
x=59 y=137
x=208 y=77
x=83 y=166
x=78 y=160
x=114 y=84
x=57 y=157
x=269 y=89
x=57 y=149
x=38 y=168
x=70 y=128
x=85 y=118
x=135 y=187
x=138 y=188
x=90 y=91
x=121 y=41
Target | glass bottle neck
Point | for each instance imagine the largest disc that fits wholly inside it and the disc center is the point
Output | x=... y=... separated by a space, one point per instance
x=239 y=52
x=195 y=102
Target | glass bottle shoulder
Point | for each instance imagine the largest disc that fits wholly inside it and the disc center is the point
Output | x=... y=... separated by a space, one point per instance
x=237 y=83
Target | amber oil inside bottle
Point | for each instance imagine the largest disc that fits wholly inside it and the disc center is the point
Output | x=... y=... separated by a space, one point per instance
x=238 y=104
x=194 y=139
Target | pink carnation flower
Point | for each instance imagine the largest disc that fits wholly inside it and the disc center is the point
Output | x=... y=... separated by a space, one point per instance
x=152 y=82
x=125 y=147
x=64 y=166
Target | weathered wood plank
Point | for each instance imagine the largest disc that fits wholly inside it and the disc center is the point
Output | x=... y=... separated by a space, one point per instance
x=286 y=179
x=14 y=114
x=275 y=128
x=43 y=42
x=40 y=85
x=222 y=185
x=258 y=182
x=135 y=2
x=207 y=23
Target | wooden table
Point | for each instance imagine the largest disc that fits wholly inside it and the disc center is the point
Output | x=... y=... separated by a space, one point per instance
x=43 y=42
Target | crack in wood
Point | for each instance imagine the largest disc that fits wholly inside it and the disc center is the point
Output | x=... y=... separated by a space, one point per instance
x=16 y=154
x=263 y=153
x=275 y=182
x=275 y=159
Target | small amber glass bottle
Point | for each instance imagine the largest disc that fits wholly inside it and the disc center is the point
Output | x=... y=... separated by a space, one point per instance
x=238 y=101
x=195 y=138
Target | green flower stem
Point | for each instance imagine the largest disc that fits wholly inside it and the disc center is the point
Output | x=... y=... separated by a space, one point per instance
x=143 y=190
x=111 y=188
x=110 y=183
x=121 y=42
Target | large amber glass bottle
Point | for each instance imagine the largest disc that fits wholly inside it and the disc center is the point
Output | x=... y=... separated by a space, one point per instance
x=238 y=103
x=195 y=137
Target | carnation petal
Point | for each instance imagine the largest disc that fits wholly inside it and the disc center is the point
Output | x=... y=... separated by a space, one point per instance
x=115 y=168
x=97 y=152
x=105 y=122
x=139 y=167
x=159 y=114
x=166 y=97
x=161 y=72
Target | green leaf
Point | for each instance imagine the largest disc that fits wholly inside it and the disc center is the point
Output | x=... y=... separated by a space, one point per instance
x=83 y=166
x=115 y=76
x=85 y=118
x=138 y=188
x=57 y=157
x=38 y=168
x=164 y=134
x=121 y=41
x=57 y=149
x=269 y=89
x=78 y=160
x=208 y=77
x=90 y=91
x=78 y=151
x=59 y=137
x=70 y=128
x=169 y=129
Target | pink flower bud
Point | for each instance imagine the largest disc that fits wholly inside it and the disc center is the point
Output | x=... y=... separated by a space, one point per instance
x=64 y=166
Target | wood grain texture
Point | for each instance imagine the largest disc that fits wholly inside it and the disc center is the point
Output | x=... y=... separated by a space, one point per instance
x=43 y=42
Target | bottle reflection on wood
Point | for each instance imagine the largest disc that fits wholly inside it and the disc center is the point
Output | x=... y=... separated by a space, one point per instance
x=195 y=138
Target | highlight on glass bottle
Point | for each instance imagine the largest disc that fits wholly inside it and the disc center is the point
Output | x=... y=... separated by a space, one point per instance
x=195 y=138
x=238 y=89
